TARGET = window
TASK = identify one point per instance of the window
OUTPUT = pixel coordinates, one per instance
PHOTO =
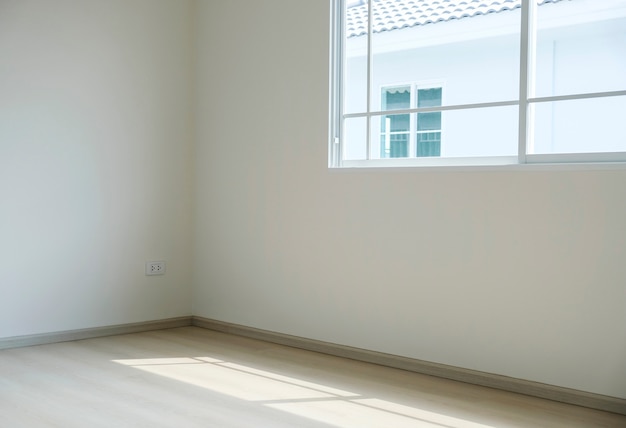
(525, 81)
(410, 135)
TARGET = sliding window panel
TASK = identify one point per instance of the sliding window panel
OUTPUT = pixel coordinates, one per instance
(581, 47)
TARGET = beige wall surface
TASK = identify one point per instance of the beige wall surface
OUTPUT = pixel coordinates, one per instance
(518, 272)
(95, 148)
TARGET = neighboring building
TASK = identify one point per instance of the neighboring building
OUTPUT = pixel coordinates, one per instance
(432, 53)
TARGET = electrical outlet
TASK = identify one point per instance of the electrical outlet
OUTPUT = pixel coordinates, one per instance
(155, 268)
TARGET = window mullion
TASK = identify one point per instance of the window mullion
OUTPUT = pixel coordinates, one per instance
(413, 123)
(370, 27)
(527, 78)
(337, 78)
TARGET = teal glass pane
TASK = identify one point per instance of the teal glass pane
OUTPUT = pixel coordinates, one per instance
(399, 146)
(429, 97)
(396, 123)
(429, 121)
(395, 135)
(395, 128)
(396, 98)
(429, 144)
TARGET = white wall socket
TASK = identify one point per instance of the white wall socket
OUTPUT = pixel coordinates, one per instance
(155, 268)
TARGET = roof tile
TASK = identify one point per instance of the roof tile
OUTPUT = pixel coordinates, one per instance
(391, 15)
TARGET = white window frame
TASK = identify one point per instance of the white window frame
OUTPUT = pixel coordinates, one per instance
(526, 102)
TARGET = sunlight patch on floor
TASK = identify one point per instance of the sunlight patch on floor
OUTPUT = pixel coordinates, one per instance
(314, 401)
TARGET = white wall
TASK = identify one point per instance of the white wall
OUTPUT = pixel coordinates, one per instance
(95, 148)
(515, 272)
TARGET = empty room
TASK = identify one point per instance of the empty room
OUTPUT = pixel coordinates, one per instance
(312, 213)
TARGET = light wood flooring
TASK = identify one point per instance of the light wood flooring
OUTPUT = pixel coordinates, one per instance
(192, 377)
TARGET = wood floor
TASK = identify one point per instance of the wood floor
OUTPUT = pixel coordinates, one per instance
(192, 377)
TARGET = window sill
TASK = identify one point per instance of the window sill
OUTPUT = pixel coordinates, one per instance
(561, 162)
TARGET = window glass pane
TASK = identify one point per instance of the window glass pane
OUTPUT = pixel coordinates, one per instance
(394, 141)
(355, 42)
(429, 144)
(355, 139)
(580, 126)
(396, 98)
(480, 132)
(395, 129)
(472, 50)
(396, 123)
(429, 97)
(398, 146)
(581, 47)
(428, 121)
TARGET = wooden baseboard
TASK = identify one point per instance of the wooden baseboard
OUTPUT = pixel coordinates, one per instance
(89, 333)
(520, 386)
